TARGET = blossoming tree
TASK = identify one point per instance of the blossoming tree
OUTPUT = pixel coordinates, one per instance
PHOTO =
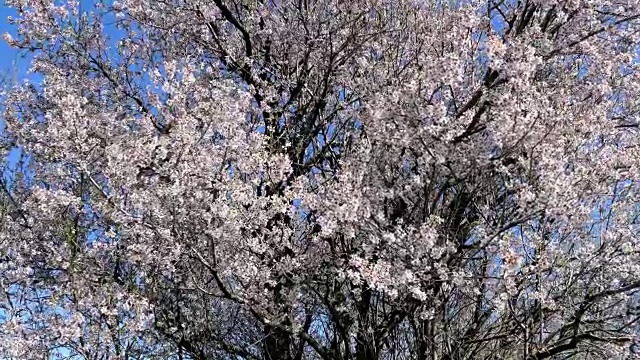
(322, 179)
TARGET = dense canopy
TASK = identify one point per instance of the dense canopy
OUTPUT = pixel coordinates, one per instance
(322, 179)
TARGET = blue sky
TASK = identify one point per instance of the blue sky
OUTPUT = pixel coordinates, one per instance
(7, 54)
(9, 57)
